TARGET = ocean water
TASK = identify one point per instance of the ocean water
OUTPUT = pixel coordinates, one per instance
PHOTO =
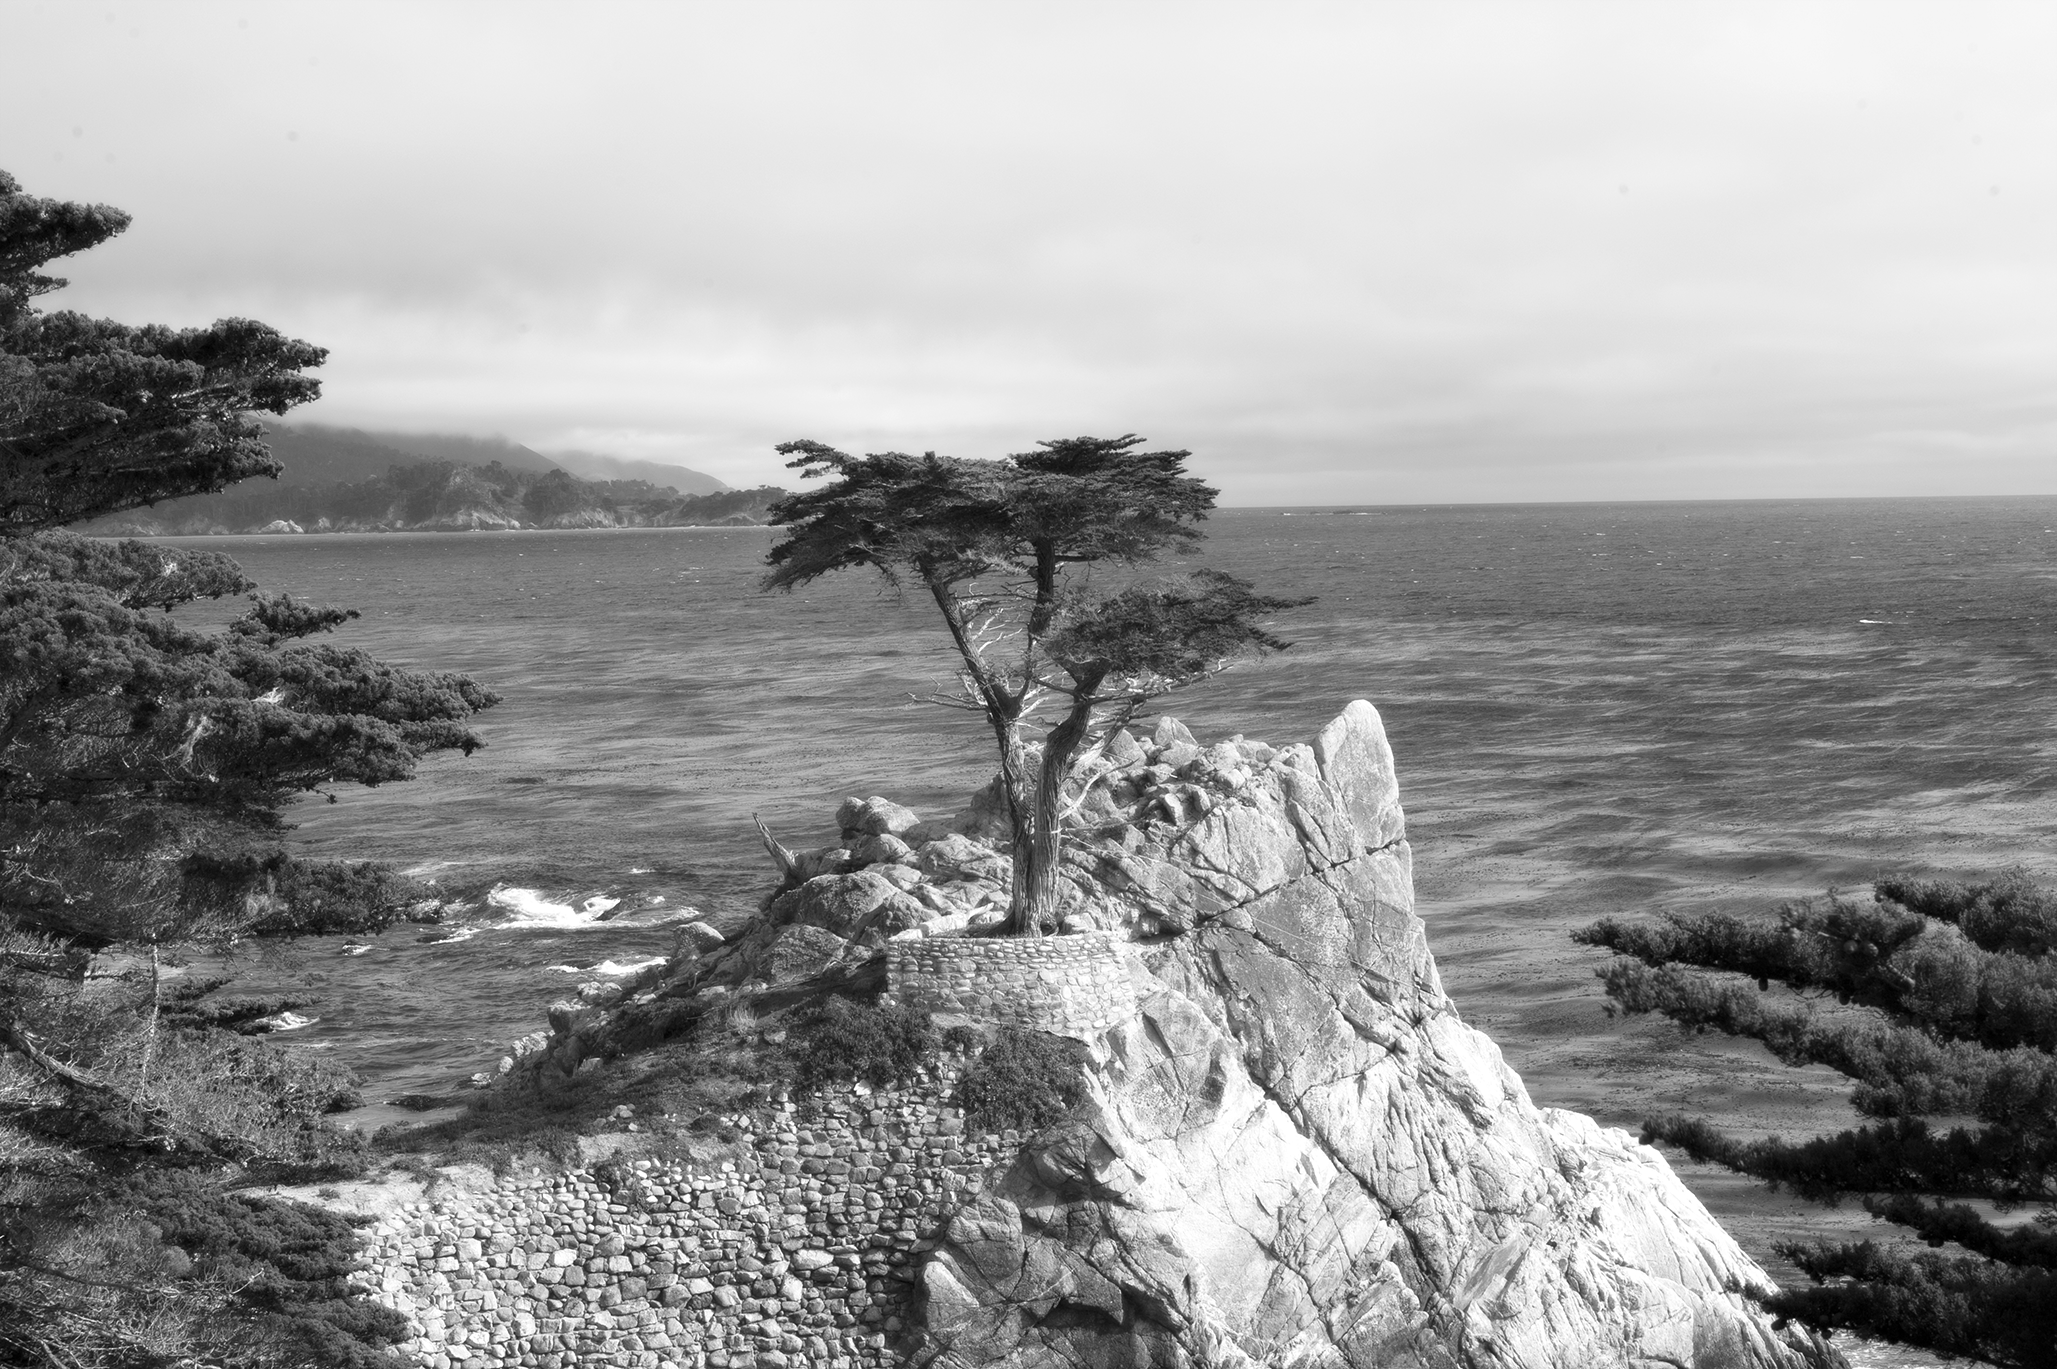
(1596, 709)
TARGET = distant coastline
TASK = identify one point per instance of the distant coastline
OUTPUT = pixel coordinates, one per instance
(441, 496)
(114, 530)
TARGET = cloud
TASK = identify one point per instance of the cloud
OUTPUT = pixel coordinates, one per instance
(1344, 253)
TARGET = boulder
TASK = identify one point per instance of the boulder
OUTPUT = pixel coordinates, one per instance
(799, 951)
(858, 903)
(826, 860)
(875, 816)
(1122, 750)
(987, 817)
(700, 936)
(958, 857)
(1170, 732)
(881, 848)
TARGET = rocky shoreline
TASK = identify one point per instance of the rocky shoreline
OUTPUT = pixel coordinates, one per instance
(1291, 1150)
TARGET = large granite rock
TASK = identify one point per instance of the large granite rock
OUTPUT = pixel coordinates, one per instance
(1297, 1154)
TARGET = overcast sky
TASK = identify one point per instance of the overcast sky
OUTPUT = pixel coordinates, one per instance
(1346, 253)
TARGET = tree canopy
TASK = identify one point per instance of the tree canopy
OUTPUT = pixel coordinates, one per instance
(98, 416)
(1000, 547)
(1945, 1008)
(146, 769)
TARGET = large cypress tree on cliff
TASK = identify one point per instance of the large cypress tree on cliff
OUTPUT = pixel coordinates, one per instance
(1946, 1008)
(144, 772)
(999, 546)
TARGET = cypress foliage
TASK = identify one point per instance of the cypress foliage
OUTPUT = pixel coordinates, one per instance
(1948, 1010)
(145, 771)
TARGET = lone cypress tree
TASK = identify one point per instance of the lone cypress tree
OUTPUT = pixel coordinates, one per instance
(145, 771)
(1947, 997)
(1000, 546)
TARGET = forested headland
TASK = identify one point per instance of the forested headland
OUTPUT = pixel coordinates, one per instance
(337, 480)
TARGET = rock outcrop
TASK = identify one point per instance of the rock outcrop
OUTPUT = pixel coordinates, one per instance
(1297, 1153)
(1292, 1153)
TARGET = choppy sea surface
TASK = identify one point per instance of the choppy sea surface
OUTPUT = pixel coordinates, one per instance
(1597, 709)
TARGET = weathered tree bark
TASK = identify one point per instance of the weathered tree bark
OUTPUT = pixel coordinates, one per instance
(1033, 904)
(781, 855)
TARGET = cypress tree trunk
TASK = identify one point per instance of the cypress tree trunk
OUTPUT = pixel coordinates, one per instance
(1036, 851)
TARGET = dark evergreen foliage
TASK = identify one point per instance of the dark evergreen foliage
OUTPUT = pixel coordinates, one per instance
(1001, 547)
(2006, 914)
(1951, 1304)
(839, 1041)
(1878, 955)
(136, 752)
(287, 1265)
(1024, 1081)
(1946, 1001)
(145, 772)
(97, 416)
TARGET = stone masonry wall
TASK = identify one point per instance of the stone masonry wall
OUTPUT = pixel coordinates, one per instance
(1077, 985)
(804, 1252)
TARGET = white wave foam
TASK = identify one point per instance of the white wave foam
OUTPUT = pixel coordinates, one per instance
(611, 968)
(530, 904)
(614, 968)
(455, 934)
(531, 909)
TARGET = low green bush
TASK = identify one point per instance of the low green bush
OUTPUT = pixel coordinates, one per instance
(306, 897)
(1025, 1081)
(287, 1263)
(839, 1041)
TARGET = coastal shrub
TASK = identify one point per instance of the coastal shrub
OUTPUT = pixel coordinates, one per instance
(839, 1041)
(288, 1265)
(291, 897)
(1025, 1081)
(146, 1268)
(1948, 1011)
